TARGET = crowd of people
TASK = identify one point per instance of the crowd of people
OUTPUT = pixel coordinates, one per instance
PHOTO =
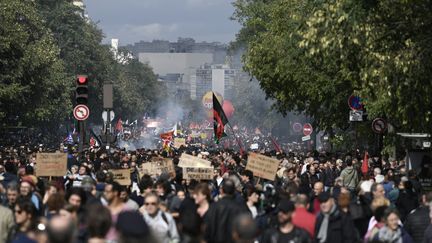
(314, 197)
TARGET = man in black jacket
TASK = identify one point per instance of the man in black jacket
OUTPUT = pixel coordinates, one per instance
(418, 220)
(333, 225)
(221, 215)
(286, 231)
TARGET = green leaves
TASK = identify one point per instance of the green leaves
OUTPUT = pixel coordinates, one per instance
(311, 56)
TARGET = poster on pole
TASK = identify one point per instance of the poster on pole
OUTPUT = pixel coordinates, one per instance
(51, 164)
(122, 176)
(262, 166)
(197, 173)
(157, 166)
(178, 142)
(187, 160)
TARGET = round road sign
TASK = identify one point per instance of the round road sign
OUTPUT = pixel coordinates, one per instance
(81, 112)
(379, 125)
(355, 103)
(307, 129)
(297, 127)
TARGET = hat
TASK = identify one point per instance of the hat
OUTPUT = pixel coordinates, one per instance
(324, 197)
(286, 206)
(379, 178)
(132, 224)
(29, 180)
(366, 186)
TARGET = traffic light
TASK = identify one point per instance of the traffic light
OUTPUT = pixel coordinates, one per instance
(81, 90)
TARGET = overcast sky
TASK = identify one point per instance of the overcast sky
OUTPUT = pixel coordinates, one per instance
(135, 20)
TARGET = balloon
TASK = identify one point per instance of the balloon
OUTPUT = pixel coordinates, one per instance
(207, 100)
(228, 108)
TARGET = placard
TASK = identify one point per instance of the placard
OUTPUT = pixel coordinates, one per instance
(122, 176)
(51, 164)
(157, 167)
(178, 142)
(187, 160)
(197, 173)
(262, 166)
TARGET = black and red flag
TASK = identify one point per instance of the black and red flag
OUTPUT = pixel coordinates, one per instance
(219, 119)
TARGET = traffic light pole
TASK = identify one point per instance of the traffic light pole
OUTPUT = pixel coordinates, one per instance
(82, 136)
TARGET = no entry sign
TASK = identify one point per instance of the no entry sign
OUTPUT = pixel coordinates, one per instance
(307, 129)
(379, 125)
(81, 112)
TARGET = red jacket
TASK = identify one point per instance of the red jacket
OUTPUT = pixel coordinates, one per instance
(303, 219)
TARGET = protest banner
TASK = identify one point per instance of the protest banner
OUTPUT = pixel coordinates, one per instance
(262, 166)
(178, 142)
(197, 173)
(187, 160)
(157, 166)
(51, 164)
(122, 176)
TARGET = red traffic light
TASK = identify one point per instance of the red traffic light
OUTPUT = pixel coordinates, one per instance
(82, 79)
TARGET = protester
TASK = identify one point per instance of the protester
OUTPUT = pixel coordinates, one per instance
(286, 231)
(162, 224)
(25, 219)
(392, 231)
(301, 217)
(332, 224)
(7, 224)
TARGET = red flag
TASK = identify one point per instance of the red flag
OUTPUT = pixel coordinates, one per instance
(119, 125)
(219, 119)
(365, 165)
(276, 145)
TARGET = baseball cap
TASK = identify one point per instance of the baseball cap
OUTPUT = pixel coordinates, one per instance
(286, 206)
(324, 197)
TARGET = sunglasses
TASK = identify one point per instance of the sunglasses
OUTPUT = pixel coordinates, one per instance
(18, 211)
(150, 203)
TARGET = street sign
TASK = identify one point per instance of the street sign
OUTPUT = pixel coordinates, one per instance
(356, 116)
(306, 138)
(307, 129)
(297, 127)
(81, 112)
(379, 125)
(355, 103)
(105, 116)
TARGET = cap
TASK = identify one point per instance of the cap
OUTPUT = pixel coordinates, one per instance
(324, 197)
(132, 224)
(29, 180)
(286, 206)
(379, 178)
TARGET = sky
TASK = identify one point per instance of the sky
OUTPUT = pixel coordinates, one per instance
(133, 20)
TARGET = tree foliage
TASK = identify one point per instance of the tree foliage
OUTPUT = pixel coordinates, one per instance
(311, 56)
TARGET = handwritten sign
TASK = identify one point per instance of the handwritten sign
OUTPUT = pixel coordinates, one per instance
(122, 176)
(262, 166)
(157, 167)
(197, 173)
(187, 160)
(178, 142)
(51, 164)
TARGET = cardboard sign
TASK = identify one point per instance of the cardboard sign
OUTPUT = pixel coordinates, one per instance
(197, 173)
(122, 176)
(178, 142)
(51, 164)
(187, 160)
(262, 166)
(157, 167)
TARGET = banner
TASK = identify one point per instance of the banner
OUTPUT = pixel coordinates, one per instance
(157, 167)
(262, 166)
(197, 173)
(122, 176)
(178, 142)
(187, 160)
(51, 164)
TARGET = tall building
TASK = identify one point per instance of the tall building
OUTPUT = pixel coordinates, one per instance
(218, 78)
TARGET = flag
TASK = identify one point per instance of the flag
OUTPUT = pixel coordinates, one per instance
(175, 129)
(365, 165)
(119, 125)
(219, 119)
(276, 145)
(167, 135)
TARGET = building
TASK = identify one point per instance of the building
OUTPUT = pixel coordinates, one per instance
(219, 78)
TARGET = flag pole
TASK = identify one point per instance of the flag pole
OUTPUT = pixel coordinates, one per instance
(236, 138)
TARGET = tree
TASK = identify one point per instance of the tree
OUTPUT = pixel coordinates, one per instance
(32, 76)
(312, 55)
